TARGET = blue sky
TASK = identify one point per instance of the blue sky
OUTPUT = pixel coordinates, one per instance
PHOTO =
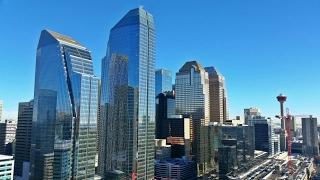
(262, 47)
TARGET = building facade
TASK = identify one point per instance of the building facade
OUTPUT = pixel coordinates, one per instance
(6, 167)
(7, 136)
(128, 97)
(163, 79)
(178, 168)
(23, 136)
(264, 134)
(250, 113)
(310, 146)
(165, 107)
(64, 127)
(192, 99)
(218, 96)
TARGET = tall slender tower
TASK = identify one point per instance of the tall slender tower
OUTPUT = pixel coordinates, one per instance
(218, 96)
(64, 128)
(192, 98)
(128, 98)
(282, 99)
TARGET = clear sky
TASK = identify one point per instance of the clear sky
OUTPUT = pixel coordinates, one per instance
(262, 47)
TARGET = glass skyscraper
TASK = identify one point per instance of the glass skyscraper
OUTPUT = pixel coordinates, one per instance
(63, 142)
(163, 81)
(128, 98)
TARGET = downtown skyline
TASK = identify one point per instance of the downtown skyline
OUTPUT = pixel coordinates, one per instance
(256, 68)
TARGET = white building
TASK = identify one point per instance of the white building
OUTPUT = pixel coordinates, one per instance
(6, 167)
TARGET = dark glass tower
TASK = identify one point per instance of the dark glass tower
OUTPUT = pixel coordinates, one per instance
(23, 136)
(63, 143)
(128, 98)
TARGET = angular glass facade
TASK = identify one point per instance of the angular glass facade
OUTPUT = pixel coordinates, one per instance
(163, 81)
(128, 98)
(64, 128)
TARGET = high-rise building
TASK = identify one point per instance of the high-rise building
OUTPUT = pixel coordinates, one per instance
(23, 136)
(6, 167)
(227, 160)
(163, 81)
(128, 97)
(244, 135)
(64, 128)
(165, 107)
(1, 110)
(192, 98)
(218, 96)
(310, 145)
(7, 136)
(251, 112)
(264, 134)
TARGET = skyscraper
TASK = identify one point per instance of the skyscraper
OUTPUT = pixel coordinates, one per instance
(163, 81)
(64, 128)
(192, 98)
(23, 136)
(218, 96)
(310, 145)
(128, 98)
(264, 134)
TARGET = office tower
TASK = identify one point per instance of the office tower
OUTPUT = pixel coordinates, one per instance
(251, 112)
(245, 141)
(7, 136)
(165, 107)
(192, 98)
(264, 134)
(218, 96)
(178, 168)
(310, 137)
(64, 129)
(128, 97)
(227, 160)
(163, 81)
(23, 136)
(1, 109)
(6, 167)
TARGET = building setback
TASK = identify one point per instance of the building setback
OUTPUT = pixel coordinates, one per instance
(128, 98)
(23, 136)
(64, 129)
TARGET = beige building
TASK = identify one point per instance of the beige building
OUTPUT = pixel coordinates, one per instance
(218, 96)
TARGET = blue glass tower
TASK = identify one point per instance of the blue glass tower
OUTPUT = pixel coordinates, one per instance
(128, 98)
(63, 143)
(163, 81)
